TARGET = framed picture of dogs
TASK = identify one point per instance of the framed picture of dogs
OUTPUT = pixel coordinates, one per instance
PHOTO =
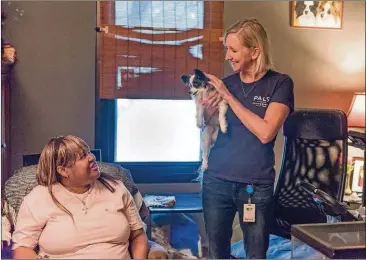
(317, 14)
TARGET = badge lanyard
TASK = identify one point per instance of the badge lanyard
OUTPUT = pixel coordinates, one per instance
(250, 190)
(249, 209)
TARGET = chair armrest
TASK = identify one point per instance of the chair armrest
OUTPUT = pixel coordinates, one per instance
(156, 251)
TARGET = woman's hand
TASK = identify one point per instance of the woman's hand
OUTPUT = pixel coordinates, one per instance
(211, 103)
(219, 86)
(24, 253)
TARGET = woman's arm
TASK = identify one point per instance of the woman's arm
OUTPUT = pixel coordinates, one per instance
(138, 240)
(264, 128)
(139, 246)
(24, 253)
(28, 228)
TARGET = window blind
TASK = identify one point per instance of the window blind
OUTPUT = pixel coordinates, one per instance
(145, 46)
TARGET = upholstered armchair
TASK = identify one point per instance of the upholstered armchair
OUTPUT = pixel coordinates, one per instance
(24, 180)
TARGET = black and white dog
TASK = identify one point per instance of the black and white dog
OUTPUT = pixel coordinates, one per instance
(200, 89)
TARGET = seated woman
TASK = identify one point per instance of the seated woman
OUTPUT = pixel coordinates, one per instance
(75, 211)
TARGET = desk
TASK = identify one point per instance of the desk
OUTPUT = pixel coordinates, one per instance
(184, 203)
(330, 240)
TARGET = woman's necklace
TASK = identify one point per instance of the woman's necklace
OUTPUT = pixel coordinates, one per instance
(250, 90)
(83, 201)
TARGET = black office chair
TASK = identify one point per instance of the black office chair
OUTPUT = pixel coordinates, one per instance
(315, 152)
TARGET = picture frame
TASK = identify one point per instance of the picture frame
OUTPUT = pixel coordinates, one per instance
(317, 14)
(358, 174)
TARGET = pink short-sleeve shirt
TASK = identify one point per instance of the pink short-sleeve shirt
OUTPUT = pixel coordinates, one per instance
(102, 232)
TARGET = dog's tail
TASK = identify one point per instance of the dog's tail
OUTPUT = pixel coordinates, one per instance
(199, 177)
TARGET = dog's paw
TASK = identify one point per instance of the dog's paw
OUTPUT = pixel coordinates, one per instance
(224, 129)
(204, 166)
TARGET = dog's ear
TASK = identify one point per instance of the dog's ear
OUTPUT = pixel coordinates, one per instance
(185, 79)
(314, 6)
(200, 75)
(299, 8)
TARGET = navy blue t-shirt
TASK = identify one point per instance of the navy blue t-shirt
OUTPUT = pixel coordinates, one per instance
(239, 155)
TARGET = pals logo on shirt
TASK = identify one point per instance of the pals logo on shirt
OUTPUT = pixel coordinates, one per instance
(261, 101)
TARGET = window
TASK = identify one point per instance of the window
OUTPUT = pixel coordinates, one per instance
(150, 130)
(160, 14)
(145, 118)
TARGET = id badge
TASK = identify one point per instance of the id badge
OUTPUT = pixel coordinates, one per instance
(249, 213)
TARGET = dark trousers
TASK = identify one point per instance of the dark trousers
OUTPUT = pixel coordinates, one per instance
(221, 200)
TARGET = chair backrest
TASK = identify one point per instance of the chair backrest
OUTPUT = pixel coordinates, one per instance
(315, 151)
(32, 159)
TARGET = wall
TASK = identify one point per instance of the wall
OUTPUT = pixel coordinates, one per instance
(54, 88)
(327, 66)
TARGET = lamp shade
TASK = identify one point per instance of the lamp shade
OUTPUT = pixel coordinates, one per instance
(356, 113)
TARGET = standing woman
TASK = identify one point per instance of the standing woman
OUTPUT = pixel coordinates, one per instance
(241, 164)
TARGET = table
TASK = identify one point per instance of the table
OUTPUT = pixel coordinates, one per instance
(330, 240)
(184, 203)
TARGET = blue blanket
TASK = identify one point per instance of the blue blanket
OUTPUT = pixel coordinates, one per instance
(279, 248)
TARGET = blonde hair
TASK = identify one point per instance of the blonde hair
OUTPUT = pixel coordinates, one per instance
(252, 34)
(64, 151)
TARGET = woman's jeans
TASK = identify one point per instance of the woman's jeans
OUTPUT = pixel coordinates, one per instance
(221, 200)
